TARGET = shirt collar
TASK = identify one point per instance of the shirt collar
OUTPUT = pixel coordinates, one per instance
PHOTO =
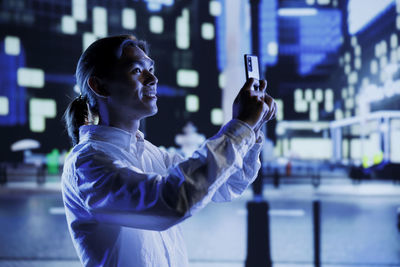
(113, 135)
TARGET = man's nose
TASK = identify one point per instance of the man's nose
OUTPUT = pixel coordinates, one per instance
(151, 78)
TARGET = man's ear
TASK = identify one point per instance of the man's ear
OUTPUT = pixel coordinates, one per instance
(98, 86)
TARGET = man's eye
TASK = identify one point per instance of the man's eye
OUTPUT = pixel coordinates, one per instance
(151, 70)
(136, 70)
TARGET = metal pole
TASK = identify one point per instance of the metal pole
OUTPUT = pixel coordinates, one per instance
(317, 233)
(254, 7)
(258, 236)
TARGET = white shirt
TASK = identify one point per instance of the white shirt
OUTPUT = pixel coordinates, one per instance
(124, 197)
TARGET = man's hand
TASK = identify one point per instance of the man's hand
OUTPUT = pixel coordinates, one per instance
(254, 107)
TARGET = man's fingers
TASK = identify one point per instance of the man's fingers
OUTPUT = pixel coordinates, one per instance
(268, 100)
(272, 112)
(263, 85)
(250, 83)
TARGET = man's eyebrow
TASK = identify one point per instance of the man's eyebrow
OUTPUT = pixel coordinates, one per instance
(140, 62)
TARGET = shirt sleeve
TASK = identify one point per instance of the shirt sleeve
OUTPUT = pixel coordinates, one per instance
(239, 181)
(126, 196)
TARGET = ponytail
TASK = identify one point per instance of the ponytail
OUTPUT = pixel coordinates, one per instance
(75, 116)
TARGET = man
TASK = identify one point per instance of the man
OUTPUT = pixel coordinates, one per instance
(123, 196)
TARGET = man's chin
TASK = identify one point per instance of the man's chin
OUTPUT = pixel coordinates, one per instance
(152, 112)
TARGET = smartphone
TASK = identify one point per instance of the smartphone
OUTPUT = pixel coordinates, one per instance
(252, 68)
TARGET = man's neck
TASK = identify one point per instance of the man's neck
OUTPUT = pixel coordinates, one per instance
(118, 120)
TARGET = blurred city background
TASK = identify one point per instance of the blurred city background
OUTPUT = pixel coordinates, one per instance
(331, 65)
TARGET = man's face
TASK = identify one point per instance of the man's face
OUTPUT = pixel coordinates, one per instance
(133, 85)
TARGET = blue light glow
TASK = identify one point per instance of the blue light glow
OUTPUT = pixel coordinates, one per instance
(319, 36)
(268, 31)
(9, 88)
(156, 5)
(220, 37)
(295, 12)
(361, 13)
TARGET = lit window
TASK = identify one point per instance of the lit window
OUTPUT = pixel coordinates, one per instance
(273, 49)
(357, 50)
(394, 41)
(4, 106)
(279, 111)
(156, 24)
(347, 69)
(217, 116)
(398, 52)
(68, 25)
(156, 5)
(393, 56)
(329, 100)
(357, 63)
(187, 78)
(347, 57)
(377, 50)
(338, 114)
(384, 47)
(79, 10)
(128, 18)
(353, 41)
(310, 2)
(314, 111)
(207, 31)
(29, 77)
(353, 77)
(351, 90)
(215, 8)
(374, 67)
(192, 103)
(12, 45)
(383, 62)
(300, 106)
(100, 21)
(222, 80)
(297, 12)
(39, 111)
(344, 93)
(323, 2)
(398, 22)
(308, 95)
(183, 30)
(298, 94)
(87, 39)
(319, 95)
(349, 103)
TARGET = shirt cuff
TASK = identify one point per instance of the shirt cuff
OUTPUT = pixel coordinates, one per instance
(240, 132)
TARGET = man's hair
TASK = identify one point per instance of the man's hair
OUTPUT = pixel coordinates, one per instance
(97, 60)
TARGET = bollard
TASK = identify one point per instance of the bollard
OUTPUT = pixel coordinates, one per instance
(317, 233)
(258, 238)
(398, 219)
(3, 174)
